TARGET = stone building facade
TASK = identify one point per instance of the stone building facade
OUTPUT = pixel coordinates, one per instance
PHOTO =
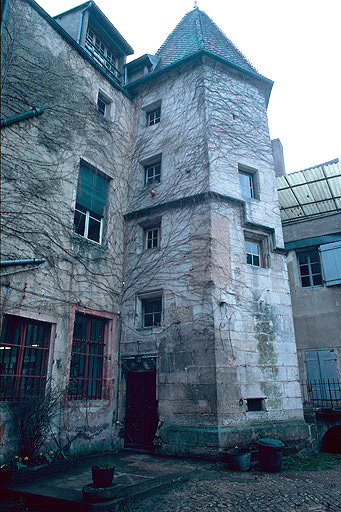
(310, 210)
(143, 259)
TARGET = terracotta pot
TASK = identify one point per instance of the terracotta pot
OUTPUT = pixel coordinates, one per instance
(102, 476)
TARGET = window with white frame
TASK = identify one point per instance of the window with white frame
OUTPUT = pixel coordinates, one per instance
(248, 183)
(253, 253)
(154, 116)
(310, 267)
(152, 237)
(90, 203)
(151, 311)
(152, 173)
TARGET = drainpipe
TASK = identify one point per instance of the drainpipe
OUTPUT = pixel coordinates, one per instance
(8, 263)
(35, 112)
(81, 23)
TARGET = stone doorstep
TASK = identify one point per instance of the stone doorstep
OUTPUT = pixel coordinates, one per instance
(135, 492)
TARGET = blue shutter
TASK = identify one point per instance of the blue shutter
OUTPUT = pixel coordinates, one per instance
(321, 368)
(331, 260)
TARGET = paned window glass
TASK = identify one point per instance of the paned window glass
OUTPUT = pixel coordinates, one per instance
(87, 357)
(153, 173)
(252, 250)
(152, 311)
(24, 350)
(152, 238)
(90, 204)
(247, 185)
(310, 268)
(154, 117)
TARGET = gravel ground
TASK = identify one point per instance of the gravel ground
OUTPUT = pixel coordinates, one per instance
(217, 490)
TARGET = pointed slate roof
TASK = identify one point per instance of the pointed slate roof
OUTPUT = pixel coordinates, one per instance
(197, 32)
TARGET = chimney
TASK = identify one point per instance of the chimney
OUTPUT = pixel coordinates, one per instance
(277, 152)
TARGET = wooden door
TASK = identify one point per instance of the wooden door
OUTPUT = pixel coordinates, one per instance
(141, 410)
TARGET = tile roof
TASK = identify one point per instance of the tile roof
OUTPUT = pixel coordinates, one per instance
(197, 32)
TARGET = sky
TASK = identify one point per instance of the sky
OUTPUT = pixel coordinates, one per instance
(295, 43)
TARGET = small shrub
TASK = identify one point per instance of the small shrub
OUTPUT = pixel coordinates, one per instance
(31, 416)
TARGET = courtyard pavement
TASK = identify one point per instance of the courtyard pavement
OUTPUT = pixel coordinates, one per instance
(158, 484)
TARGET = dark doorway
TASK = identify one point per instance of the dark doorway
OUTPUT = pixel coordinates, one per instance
(331, 442)
(141, 410)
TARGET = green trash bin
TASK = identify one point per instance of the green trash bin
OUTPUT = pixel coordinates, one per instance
(270, 454)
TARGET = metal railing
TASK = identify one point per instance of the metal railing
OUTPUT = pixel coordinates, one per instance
(323, 393)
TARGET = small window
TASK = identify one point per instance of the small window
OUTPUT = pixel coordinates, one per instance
(255, 404)
(24, 350)
(154, 116)
(151, 312)
(103, 105)
(90, 203)
(87, 357)
(247, 184)
(310, 268)
(152, 237)
(253, 253)
(153, 173)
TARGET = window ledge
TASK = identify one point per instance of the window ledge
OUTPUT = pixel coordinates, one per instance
(88, 242)
(155, 330)
(84, 402)
(150, 186)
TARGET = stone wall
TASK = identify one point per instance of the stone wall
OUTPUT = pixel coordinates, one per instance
(39, 183)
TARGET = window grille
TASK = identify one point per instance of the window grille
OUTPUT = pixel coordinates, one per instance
(87, 357)
(24, 350)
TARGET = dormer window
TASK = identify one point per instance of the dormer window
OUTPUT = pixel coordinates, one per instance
(101, 52)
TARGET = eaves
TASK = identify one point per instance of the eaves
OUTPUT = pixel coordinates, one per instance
(76, 46)
(266, 81)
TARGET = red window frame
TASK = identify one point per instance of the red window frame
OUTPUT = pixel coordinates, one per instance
(87, 357)
(24, 351)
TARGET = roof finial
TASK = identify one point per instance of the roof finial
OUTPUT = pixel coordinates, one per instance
(195, 5)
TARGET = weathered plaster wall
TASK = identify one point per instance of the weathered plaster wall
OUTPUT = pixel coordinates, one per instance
(317, 316)
(40, 171)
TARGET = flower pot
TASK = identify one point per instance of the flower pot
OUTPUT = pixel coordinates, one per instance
(5, 476)
(102, 476)
(239, 458)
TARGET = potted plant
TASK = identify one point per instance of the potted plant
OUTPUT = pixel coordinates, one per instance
(102, 476)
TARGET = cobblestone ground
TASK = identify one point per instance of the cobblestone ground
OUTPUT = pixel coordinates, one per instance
(217, 490)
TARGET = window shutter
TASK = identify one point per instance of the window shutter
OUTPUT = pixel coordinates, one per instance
(313, 367)
(92, 190)
(331, 259)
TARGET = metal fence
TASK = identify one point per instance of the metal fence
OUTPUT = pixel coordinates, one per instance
(323, 393)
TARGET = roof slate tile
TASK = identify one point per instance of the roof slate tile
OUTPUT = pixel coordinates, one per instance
(197, 32)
